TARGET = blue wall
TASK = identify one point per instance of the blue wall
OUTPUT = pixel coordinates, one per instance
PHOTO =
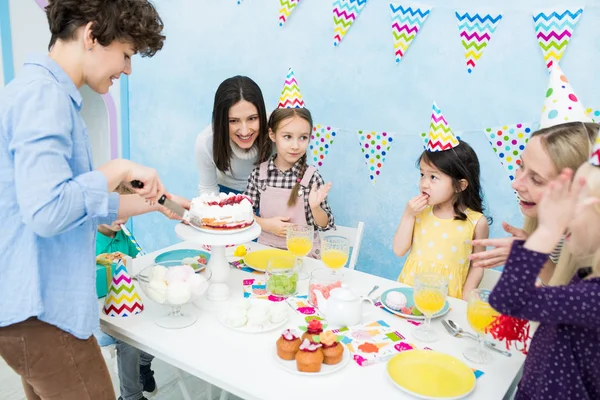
(355, 86)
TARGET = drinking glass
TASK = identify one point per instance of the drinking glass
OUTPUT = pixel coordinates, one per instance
(480, 315)
(429, 292)
(299, 243)
(334, 251)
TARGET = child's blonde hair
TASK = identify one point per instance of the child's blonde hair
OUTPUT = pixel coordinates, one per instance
(568, 264)
(568, 145)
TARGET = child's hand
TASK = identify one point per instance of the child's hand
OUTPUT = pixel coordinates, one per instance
(317, 196)
(278, 225)
(416, 205)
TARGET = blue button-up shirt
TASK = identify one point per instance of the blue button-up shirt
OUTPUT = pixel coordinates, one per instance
(51, 202)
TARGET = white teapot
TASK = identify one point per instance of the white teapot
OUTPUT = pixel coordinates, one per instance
(343, 307)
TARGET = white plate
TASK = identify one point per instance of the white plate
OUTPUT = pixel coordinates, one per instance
(291, 367)
(251, 328)
(223, 231)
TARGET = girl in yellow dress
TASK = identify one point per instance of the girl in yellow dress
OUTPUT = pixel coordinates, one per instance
(438, 224)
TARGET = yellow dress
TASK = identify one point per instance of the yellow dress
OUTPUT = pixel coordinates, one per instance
(439, 246)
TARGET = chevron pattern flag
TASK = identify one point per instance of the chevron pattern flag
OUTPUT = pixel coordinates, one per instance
(475, 32)
(508, 142)
(595, 158)
(440, 135)
(407, 21)
(122, 299)
(554, 29)
(321, 141)
(290, 94)
(345, 12)
(375, 146)
(287, 6)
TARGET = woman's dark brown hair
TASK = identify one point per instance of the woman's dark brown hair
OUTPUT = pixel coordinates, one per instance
(230, 92)
(131, 21)
(277, 117)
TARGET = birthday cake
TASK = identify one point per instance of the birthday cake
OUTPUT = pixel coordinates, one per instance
(223, 211)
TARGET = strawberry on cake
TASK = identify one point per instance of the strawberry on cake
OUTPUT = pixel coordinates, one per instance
(223, 211)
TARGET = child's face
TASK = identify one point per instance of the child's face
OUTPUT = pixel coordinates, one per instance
(435, 184)
(583, 232)
(291, 139)
(536, 170)
(244, 124)
(104, 64)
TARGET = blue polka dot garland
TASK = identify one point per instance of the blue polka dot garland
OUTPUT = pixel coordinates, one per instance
(321, 141)
(508, 142)
(375, 146)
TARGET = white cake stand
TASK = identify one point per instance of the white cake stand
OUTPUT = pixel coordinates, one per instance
(218, 264)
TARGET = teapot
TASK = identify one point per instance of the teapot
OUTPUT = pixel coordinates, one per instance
(343, 307)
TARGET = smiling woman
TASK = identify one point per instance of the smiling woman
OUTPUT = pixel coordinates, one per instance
(237, 140)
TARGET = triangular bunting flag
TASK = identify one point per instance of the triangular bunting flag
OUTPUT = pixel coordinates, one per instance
(561, 104)
(441, 136)
(287, 6)
(407, 21)
(595, 157)
(122, 300)
(375, 146)
(320, 143)
(554, 29)
(239, 2)
(475, 32)
(290, 94)
(345, 12)
(508, 143)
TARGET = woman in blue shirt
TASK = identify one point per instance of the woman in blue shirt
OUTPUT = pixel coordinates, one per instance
(53, 200)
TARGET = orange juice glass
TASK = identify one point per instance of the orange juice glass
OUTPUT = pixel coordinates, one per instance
(480, 315)
(299, 240)
(335, 251)
(429, 294)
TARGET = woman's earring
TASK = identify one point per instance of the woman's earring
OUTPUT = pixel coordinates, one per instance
(90, 49)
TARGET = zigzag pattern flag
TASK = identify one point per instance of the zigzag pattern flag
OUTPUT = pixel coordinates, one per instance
(407, 21)
(345, 12)
(475, 32)
(122, 299)
(508, 142)
(287, 6)
(375, 146)
(441, 136)
(320, 143)
(553, 30)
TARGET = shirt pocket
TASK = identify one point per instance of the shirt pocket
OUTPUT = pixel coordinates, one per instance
(13, 350)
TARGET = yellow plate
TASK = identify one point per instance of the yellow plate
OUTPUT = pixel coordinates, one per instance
(428, 374)
(258, 260)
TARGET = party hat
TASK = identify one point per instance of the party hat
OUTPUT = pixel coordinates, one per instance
(595, 158)
(122, 299)
(290, 95)
(440, 135)
(561, 104)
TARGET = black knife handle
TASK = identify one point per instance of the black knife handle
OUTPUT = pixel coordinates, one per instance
(162, 199)
(137, 184)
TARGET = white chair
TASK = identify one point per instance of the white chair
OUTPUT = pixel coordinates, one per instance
(490, 278)
(354, 236)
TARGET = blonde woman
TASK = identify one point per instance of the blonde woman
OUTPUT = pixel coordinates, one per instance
(563, 358)
(548, 152)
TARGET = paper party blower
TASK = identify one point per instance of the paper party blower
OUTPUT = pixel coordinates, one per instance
(440, 135)
(122, 299)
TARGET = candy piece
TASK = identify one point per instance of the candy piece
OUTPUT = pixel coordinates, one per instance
(406, 310)
(157, 290)
(396, 300)
(198, 284)
(416, 312)
(158, 273)
(282, 285)
(180, 273)
(179, 293)
(240, 251)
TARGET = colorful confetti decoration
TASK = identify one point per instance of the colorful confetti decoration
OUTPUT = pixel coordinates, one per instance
(561, 104)
(475, 32)
(287, 6)
(407, 21)
(508, 142)
(290, 94)
(375, 146)
(320, 142)
(554, 29)
(441, 136)
(345, 12)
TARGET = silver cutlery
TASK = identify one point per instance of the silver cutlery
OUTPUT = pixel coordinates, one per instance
(457, 332)
(372, 291)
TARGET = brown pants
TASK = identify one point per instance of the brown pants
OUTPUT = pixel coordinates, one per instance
(53, 364)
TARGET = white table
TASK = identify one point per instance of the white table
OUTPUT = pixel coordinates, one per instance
(243, 364)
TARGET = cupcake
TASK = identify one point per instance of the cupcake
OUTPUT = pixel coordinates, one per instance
(332, 350)
(396, 301)
(288, 345)
(314, 328)
(309, 357)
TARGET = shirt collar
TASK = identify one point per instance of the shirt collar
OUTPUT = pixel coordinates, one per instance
(272, 167)
(58, 74)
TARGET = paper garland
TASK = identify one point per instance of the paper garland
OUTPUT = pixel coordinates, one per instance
(508, 142)
(320, 143)
(375, 146)
(407, 21)
(475, 32)
(345, 12)
(554, 29)
(287, 6)
(122, 300)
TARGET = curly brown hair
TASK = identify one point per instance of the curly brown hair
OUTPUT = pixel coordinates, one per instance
(132, 21)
